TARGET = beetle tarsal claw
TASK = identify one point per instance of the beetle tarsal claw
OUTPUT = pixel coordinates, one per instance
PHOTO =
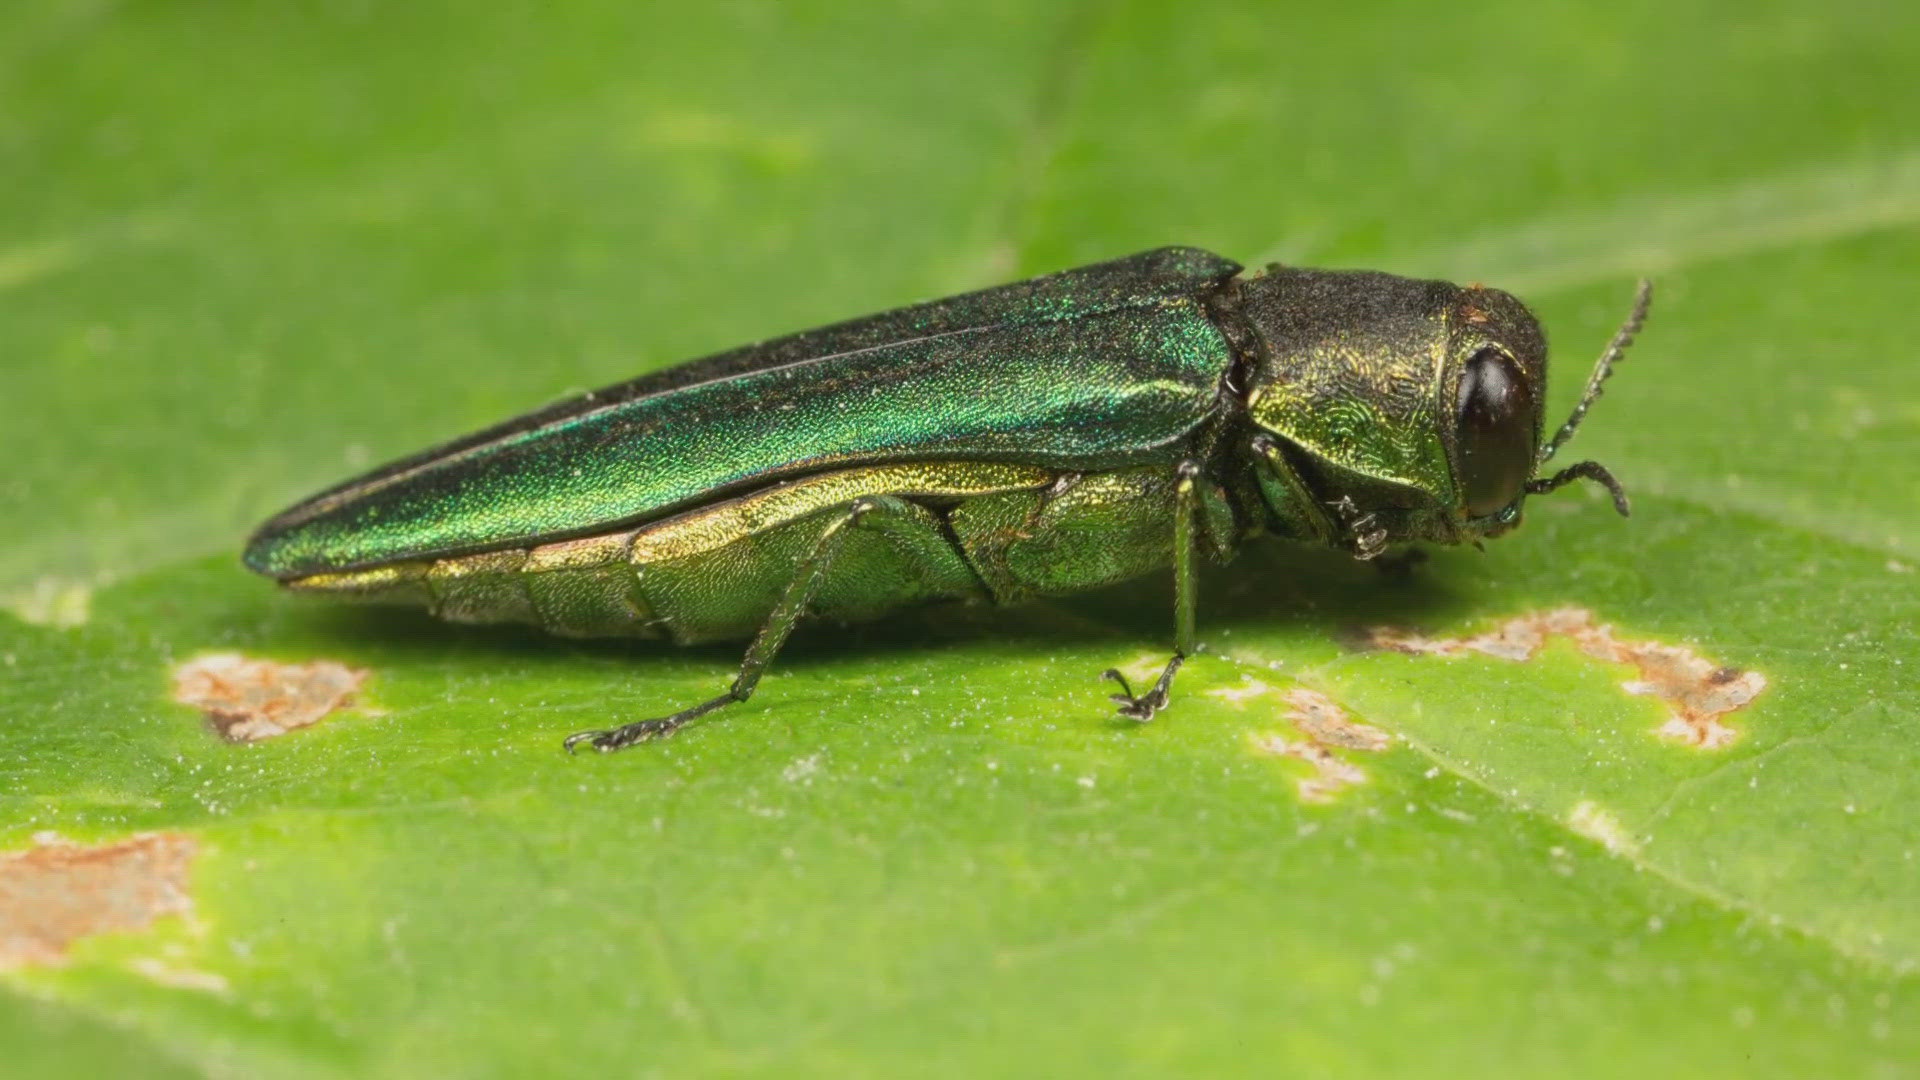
(1141, 707)
(1365, 538)
(610, 739)
(626, 735)
(1132, 706)
(573, 741)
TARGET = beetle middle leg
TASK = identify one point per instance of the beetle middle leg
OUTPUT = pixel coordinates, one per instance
(808, 575)
(1185, 591)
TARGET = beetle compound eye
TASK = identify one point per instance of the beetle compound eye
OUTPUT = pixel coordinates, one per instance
(1494, 411)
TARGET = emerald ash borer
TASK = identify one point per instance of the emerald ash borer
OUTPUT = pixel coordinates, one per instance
(1038, 438)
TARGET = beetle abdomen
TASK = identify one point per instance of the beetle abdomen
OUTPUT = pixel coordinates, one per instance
(712, 573)
(576, 588)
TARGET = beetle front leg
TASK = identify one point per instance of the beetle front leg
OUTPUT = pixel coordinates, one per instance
(808, 575)
(1141, 707)
(1365, 538)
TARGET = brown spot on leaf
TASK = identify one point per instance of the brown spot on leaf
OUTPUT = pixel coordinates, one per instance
(1324, 727)
(1328, 724)
(55, 893)
(248, 700)
(1697, 691)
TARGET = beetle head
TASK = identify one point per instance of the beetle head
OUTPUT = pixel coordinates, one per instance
(1407, 410)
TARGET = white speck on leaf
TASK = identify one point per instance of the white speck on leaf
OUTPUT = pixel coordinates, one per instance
(53, 602)
(1598, 824)
(1248, 689)
(180, 978)
(802, 770)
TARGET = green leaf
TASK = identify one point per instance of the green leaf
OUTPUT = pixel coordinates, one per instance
(253, 248)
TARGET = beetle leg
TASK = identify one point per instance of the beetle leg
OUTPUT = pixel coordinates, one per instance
(1185, 593)
(808, 575)
(1303, 508)
(1142, 707)
(1365, 538)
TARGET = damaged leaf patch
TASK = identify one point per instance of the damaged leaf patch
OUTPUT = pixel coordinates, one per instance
(56, 893)
(248, 700)
(1697, 691)
(1324, 727)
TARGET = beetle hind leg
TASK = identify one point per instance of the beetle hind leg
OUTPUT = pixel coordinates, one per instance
(809, 574)
(1186, 559)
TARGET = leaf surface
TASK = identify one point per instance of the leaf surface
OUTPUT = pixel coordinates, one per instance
(256, 249)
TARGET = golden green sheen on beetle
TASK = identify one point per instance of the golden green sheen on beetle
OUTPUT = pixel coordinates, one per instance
(1043, 437)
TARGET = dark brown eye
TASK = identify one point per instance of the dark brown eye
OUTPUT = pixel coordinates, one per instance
(1495, 414)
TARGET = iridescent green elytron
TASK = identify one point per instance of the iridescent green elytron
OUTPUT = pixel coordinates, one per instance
(1044, 437)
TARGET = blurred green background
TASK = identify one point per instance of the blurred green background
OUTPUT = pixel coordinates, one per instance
(247, 248)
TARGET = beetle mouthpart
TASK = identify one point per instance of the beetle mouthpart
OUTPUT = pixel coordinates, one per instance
(1589, 470)
(1617, 348)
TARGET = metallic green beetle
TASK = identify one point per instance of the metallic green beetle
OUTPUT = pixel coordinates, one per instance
(1044, 437)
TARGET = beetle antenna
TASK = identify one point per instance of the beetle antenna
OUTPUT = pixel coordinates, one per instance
(1617, 348)
(1590, 470)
